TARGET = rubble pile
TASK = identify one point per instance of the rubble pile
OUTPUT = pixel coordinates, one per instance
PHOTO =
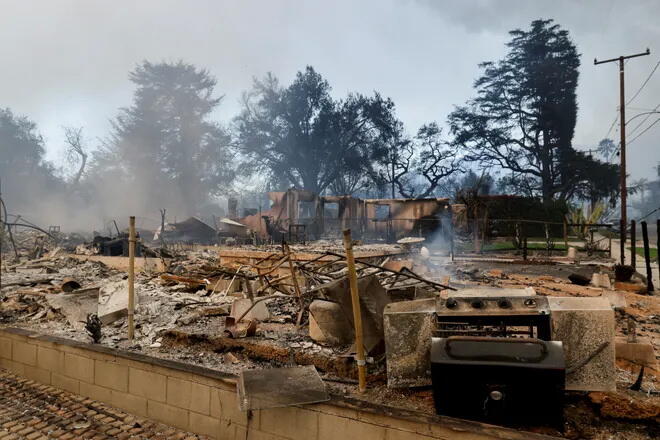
(248, 307)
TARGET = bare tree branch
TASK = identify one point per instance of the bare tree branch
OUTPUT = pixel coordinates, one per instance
(76, 152)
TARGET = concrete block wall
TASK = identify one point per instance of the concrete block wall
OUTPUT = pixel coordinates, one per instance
(204, 401)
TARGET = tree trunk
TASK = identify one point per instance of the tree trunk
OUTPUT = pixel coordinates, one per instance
(83, 162)
(546, 175)
(393, 193)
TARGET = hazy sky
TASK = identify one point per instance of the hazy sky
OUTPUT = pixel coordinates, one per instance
(66, 62)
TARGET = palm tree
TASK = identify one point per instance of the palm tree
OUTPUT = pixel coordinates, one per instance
(606, 148)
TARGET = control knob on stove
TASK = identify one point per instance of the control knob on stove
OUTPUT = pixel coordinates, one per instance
(531, 303)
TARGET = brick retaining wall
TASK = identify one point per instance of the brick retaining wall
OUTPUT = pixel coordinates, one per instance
(204, 401)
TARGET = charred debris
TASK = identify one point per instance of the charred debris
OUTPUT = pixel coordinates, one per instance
(523, 323)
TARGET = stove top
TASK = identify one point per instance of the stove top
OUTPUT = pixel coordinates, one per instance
(493, 306)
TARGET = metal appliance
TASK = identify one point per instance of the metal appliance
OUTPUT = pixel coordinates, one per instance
(492, 360)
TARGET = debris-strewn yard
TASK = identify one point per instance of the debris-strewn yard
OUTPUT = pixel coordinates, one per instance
(239, 308)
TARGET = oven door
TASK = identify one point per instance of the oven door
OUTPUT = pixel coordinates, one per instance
(512, 381)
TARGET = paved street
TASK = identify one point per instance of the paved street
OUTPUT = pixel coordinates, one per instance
(32, 411)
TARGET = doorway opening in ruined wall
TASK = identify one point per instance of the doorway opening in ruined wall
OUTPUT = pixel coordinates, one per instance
(332, 224)
(383, 222)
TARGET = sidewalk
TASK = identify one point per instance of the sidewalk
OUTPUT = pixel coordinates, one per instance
(32, 411)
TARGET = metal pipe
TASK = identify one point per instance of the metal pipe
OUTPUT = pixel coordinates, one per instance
(647, 257)
(633, 244)
(131, 277)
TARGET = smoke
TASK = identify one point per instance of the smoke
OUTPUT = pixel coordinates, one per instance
(440, 242)
(97, 200)
(435, 253)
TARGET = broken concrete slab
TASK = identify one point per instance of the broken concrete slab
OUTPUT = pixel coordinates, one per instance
(280, 387)
(144, 264)
(586, 327)
(328, 325)
(601, 280)
(408, 330)
(640, 352)
(113, 301)
(259, 311)
(617, 299)
(75, 306)
(373, 299)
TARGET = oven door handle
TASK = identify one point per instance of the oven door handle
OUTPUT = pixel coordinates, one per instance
(450, 339)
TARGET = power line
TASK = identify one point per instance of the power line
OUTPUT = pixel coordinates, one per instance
(656, 209)
(644, 84)
(644, 131)
(641, 109)
(611, 127)
(644, 120)
(632, 99)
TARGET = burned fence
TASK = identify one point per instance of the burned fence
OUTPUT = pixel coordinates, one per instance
(524, 236)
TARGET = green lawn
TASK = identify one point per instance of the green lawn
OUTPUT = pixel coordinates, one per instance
(652, 251)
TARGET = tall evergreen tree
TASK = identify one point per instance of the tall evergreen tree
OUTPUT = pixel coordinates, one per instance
(166, 140)
(523, 118)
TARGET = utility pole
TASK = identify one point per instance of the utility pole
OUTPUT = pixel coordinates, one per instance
(622, 117)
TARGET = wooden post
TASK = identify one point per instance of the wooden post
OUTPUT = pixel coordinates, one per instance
(633, 244)
(296, 287)
(565, 234)
(357, 315)
(647, 257)
(131, 277)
